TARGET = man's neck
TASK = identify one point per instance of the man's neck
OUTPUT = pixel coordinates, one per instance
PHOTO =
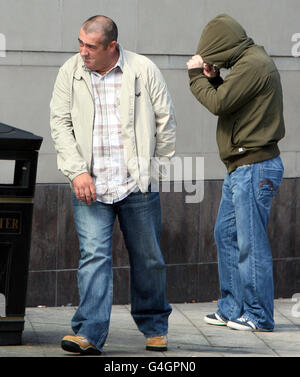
(114, 60)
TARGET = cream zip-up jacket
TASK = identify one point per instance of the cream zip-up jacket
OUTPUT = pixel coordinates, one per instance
(146, 110)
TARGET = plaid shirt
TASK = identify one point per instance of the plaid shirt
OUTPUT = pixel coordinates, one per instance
(112, 180)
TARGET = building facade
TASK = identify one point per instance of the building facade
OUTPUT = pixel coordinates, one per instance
(38, 36)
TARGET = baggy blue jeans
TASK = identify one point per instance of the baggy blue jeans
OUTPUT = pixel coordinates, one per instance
(244, 253)
(140, 221)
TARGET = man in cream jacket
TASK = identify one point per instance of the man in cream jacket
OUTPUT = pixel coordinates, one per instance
(111, 115)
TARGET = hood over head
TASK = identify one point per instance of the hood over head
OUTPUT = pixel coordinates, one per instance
(222, 41)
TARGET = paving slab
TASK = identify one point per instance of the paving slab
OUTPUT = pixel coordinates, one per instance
(189, 336)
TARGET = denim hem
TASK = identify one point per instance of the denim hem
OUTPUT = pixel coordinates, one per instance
(223, 317)
(93, 343)
(255, 323)
(153, 336)
(99, 345)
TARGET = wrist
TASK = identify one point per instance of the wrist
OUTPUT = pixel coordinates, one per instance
(193, 72)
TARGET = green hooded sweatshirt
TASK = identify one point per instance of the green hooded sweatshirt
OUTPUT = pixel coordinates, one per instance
(248, 101)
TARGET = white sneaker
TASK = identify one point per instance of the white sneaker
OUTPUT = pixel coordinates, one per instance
(215, 319)
(242, 324)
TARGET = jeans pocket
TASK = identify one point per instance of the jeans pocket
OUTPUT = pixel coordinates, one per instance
(269, 182)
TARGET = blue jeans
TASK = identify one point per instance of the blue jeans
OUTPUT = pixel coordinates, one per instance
(140, 221)
(244, 253)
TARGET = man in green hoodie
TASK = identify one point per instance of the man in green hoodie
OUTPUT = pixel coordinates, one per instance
(249, 105)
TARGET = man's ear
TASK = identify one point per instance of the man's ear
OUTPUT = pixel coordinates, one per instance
(112, 45)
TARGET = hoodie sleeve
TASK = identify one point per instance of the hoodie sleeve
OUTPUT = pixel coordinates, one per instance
(214, 81)
(225, 97)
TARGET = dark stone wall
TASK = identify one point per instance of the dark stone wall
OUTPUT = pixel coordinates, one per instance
(187, 243)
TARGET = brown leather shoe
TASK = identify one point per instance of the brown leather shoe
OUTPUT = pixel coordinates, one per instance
(78, 344)
(157, 343)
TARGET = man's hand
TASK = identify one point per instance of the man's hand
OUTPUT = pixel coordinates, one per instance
(197, 62)
(84, 188)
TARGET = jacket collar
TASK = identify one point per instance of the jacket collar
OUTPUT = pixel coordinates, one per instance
(82, 71)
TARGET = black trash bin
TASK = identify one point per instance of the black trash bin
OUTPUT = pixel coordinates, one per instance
(16, 207)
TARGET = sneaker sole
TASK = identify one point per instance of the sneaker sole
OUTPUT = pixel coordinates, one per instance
(68, 345)
(156, 348)
(237, 326)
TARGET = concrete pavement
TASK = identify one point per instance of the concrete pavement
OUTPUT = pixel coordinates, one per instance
(189, 335)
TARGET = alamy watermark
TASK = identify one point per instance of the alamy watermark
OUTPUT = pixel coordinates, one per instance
(2, 46)
(296, 46)
(178, 174)
(186, 173)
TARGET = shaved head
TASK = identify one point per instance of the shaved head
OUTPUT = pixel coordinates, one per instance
(102, 24)
(98, 44)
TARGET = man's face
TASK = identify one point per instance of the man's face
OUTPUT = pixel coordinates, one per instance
(95, 56)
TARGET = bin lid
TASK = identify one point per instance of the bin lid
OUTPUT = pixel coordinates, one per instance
(14, 139)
